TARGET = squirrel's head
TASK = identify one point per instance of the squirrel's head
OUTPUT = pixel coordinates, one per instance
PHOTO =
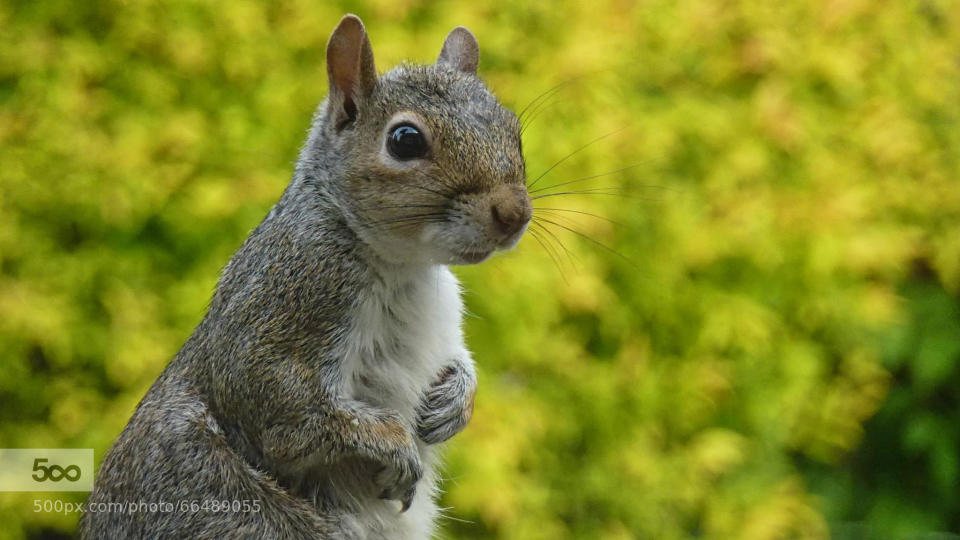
(428, 165)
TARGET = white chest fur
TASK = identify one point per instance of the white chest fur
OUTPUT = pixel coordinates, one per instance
(404, 331)
(402, 334)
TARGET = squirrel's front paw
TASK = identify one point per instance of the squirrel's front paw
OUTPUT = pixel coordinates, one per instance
(448, 404)
(398, 478)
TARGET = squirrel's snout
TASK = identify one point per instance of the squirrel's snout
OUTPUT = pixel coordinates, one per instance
(510, 210)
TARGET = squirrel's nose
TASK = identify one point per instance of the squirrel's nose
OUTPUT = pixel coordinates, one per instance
(511, 212)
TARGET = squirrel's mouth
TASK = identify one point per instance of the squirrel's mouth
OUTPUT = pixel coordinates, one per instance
(478, 256)
(511, 241)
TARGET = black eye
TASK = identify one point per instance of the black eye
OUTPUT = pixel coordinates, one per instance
(406, 142)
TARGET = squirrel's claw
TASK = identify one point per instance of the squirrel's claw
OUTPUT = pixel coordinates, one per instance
(398, 480)
(405, 500)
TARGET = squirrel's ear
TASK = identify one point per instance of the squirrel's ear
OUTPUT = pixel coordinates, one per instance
(350, 68)
(460, 50)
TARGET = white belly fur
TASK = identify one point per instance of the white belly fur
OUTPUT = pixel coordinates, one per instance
(403, 333)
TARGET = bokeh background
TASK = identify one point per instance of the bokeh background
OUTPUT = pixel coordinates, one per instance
(761, 343)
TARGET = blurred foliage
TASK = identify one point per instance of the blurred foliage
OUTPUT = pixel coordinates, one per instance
(775, 358)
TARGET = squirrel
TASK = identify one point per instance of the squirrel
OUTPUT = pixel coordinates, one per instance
(310, 400)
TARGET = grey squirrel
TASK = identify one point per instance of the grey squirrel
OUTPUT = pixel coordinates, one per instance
(311, 397)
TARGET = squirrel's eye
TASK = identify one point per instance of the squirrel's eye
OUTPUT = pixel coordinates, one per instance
(406, 142)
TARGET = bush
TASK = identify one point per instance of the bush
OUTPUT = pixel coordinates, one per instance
(785, 259)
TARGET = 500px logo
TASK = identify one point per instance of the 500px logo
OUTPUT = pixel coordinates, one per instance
(55, 473)
(46, 469)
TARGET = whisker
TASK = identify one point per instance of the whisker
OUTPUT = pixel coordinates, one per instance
(598, 216)
(603, 190)
(601, 244)
(408, 219)
(401, 219)
(592, 176)
(571, 154)
(399, 206)
(459, 520)
(543, 96)
(419, 214)
(404, 224)
(418, 218)
(571, 257)
(552, 90)
(535, 234)
(445, 180)
(611, 191)
(536, 112)
(431, 190)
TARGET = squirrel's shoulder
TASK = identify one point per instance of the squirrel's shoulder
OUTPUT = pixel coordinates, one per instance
(293, 274)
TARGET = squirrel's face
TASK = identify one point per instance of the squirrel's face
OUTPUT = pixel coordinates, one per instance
(432, 164)
(437, 172)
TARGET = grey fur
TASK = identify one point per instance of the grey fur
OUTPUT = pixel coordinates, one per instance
(253, 407)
